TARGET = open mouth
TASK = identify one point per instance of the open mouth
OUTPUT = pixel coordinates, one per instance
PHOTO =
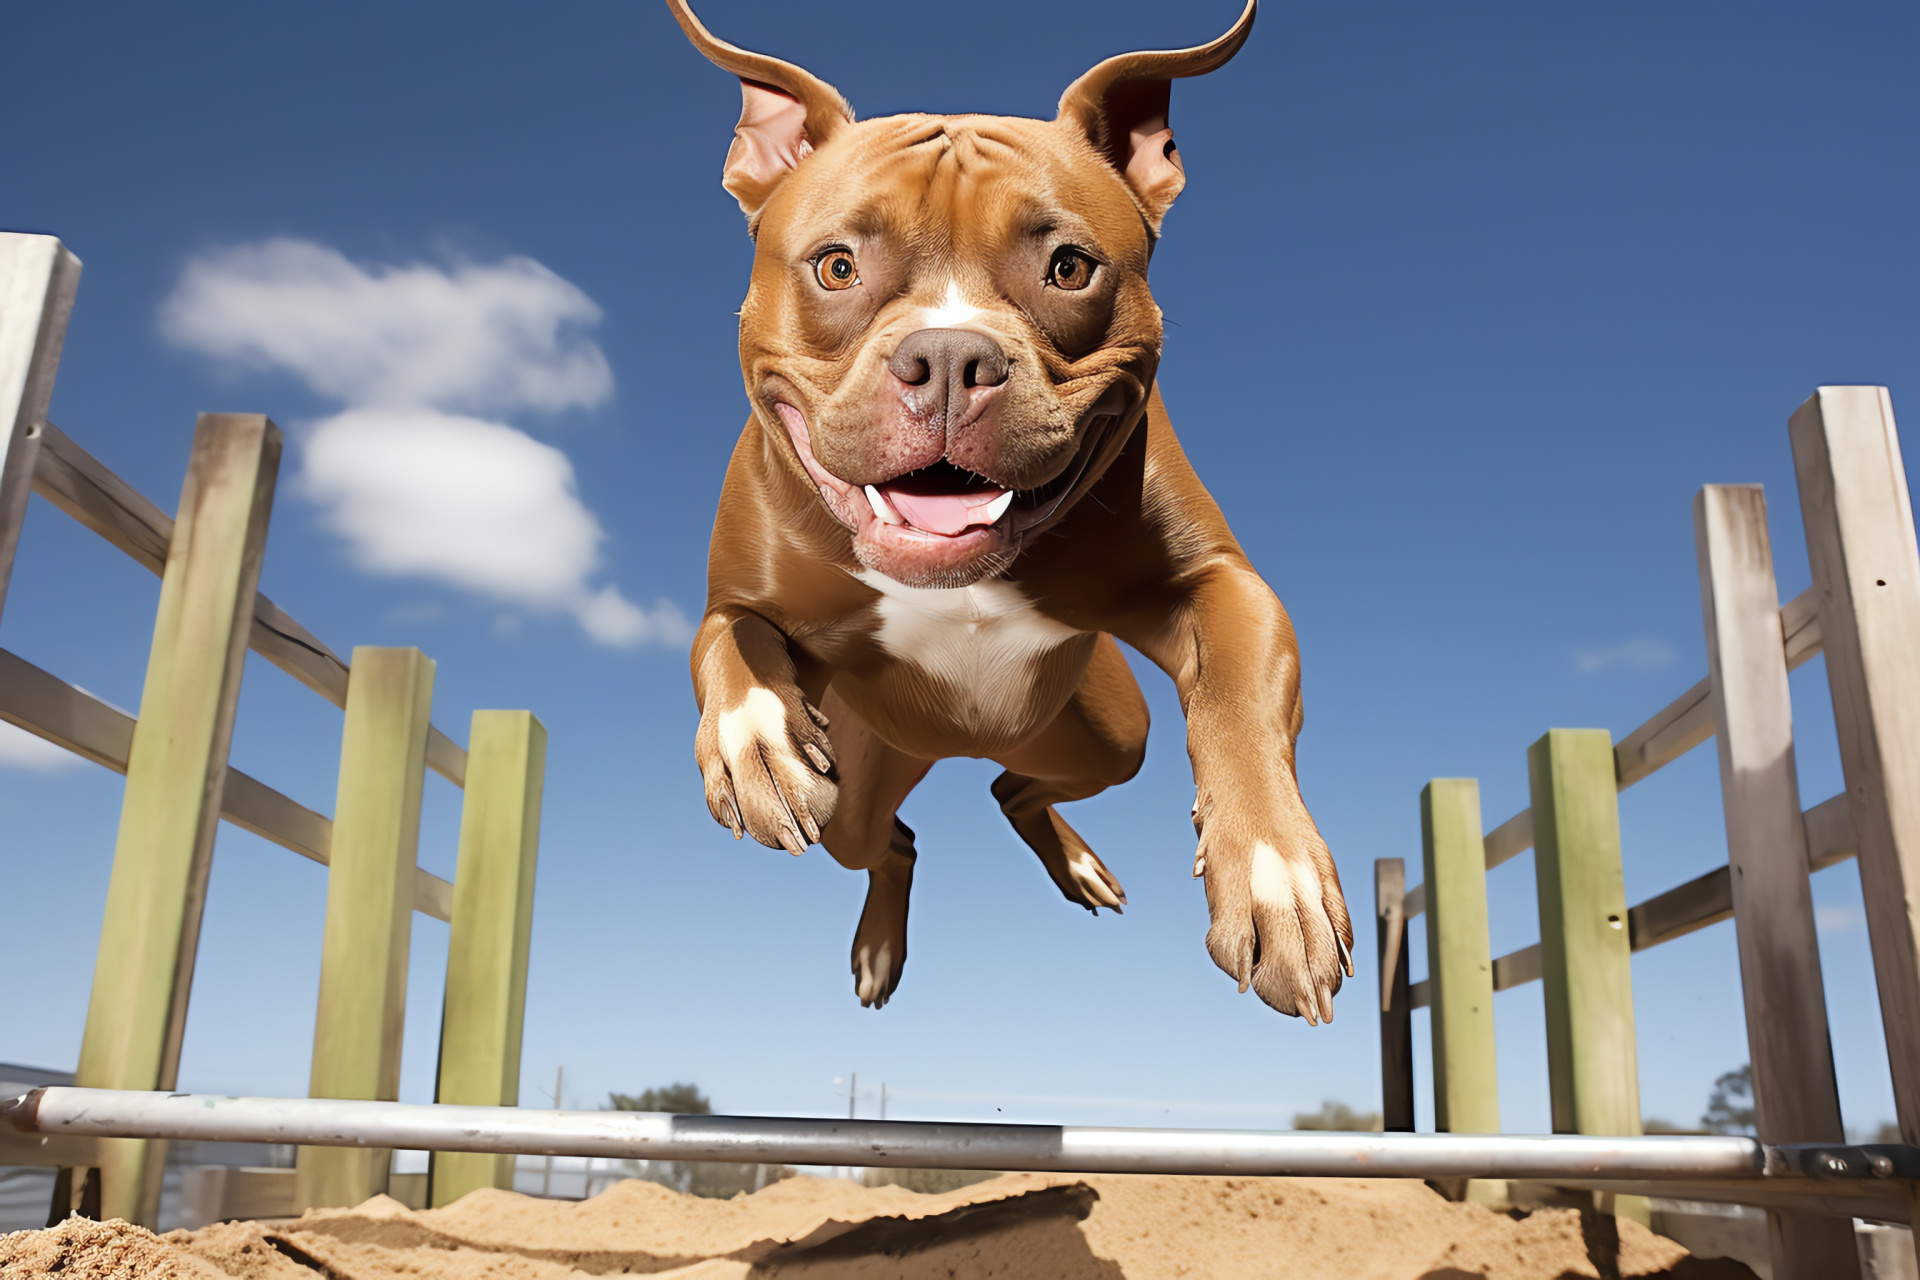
(946, 501)
(941, 525)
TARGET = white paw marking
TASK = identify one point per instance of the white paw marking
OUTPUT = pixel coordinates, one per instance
(981, 640)
(760, 716)
(953, 309)
(1272, 885)
(1087, 873)
(873, 971)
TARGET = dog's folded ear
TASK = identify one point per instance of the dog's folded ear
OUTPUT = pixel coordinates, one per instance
(1122, 107)
(785, 112)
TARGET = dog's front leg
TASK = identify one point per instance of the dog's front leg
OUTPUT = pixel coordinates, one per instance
(762, 746)
(1278, 919)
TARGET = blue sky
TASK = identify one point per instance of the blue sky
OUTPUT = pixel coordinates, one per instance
(1465, 303)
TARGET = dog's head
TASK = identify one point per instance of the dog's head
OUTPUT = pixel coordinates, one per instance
(949, 318)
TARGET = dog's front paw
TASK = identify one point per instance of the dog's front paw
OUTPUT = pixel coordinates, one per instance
(1279, 920)
(768, 767)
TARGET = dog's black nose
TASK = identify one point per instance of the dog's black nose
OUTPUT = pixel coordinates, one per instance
(941, 366)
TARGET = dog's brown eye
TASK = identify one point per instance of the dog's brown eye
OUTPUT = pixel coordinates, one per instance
(1070, 269)
(836, 270)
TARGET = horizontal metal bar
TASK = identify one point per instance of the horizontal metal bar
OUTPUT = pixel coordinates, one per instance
(68, 716)
(80, 485)
(894, 1143)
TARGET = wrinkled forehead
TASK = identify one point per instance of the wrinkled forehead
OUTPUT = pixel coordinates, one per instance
(957, 185)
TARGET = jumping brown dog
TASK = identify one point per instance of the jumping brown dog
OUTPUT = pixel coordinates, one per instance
(958, 488)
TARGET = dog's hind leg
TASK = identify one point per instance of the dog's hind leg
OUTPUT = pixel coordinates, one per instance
(865, 834)
(1097, 741)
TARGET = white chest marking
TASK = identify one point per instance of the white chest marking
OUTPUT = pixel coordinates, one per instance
(981, 640)
(952, 310)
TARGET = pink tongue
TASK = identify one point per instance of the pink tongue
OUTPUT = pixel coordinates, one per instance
(942, 513)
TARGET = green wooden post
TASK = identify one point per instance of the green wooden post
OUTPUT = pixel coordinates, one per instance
(1466, 1091)
(363, 964)
(176, 769)
(492, 922)
(1585, 953)
(1585, 957)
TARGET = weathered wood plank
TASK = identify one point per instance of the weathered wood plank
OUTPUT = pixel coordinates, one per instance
(1585, 961)
(1459, 967)
(1670, 733)
(1396, 1010)
(1510, 839)
(1683, 909)
(38, 278)
(1795, 1095)
(47, 706)
(1830, 834)
(1861, 544)
(176, 773)
(76, 482)
(363, 963)
(486, 997)
(1516, 968)
(1866, 573)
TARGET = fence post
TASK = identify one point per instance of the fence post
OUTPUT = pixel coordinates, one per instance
(1866, 571)
(37, 282)
(176, 770)
(1795, 1095)
(1586, 966)
(487, 953)
(363, 962)
(1466, 1092)
(1396, 997)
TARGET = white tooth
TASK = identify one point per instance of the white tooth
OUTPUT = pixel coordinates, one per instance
(882, 509)
(998, 507)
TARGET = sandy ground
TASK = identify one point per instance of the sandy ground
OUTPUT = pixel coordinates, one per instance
(1019, 1225)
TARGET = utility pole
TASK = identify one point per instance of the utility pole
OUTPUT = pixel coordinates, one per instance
(853, 1091)
(883, 1099)
(546, 1179)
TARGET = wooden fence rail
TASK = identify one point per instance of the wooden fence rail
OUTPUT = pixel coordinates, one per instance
(180, 787)
(1863, 612)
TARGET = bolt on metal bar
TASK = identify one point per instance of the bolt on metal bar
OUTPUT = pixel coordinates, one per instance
(911, 1144)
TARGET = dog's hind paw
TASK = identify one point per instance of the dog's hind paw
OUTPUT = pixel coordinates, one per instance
(1073, 866)
(880, 943)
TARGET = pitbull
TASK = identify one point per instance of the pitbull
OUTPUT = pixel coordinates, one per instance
(958, 491)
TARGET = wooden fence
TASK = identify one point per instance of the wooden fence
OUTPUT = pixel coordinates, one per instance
(179, 786)
(1863, 612)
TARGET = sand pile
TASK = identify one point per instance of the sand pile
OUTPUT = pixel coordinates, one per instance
(1057, 1227)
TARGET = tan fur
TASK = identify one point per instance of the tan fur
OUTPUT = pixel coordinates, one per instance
(839, 659)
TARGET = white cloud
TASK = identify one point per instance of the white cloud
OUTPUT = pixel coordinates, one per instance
(22, 750)
(414, 487)
(1635, 655)
(1838, 917)
(490, 338)
(477, 504)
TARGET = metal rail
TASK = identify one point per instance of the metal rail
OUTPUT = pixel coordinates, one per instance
(107, 1113)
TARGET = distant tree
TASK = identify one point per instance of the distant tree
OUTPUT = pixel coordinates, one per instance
(1338, 1117)
(1888, 1132)
(716, 1179)
(1655, 1125)
(683, 1099)
(1730, 1105)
